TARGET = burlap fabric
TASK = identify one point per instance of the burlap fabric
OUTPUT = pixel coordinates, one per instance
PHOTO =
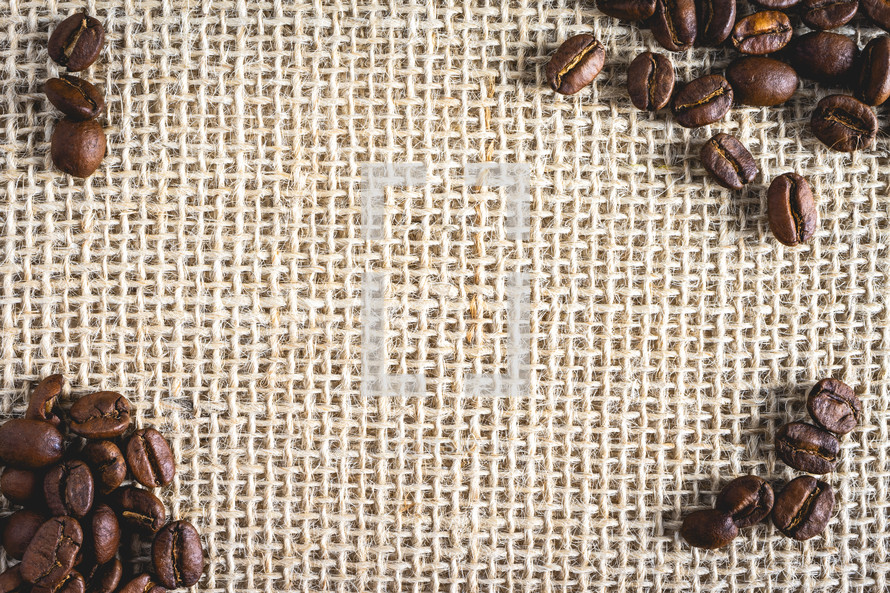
(211, 270)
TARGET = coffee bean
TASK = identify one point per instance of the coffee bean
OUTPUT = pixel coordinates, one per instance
(873, 86)
(760, 81)
(101, 415)
(52, 552)
(792, 210)
(777, 4)
(807, 448)
(177, 556)
(22, 486)
(139, 509)
(68, 488)
(674, 24)
(834, 406)
(19, 531)
(107, 463)
(716, 19)
(878, 11)
(703, 101)
(843, 123)
(828, 14)
(142, 584)
(11, 581)
(708, 529)
(762, 32)
(650, 81)
(628, 10)
(43, 402)
(102, 534)
(803, 508)
(76, 42)
(77, 147)
(104, 578)
(825, 57)
(748, 500)
(75, 97)
(29, 443)
(728, 161)
(575, 64)
(72, 583)
(150, 458)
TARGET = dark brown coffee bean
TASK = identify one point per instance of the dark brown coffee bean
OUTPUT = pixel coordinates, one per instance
(575, 64)
(762, 33)
(760, 81)
(52, 552)
(828, 14)
(101, 534)
(674, 24)
(101, 415)
(104, 578)
(878, 11)
(834, 406)
(43, 403)
(29, 443)
(748, 500)
(843, 123)
(11, 581)
(728, 161)
(873, 86)
(708, 529)
(68, 488)
(177, 556)
(650, 81)
(703, 101)
(139, 509)
(807, 448)
(777, 4)
(19, 531)
(142, 584)
(825, 57)
(22, 486)
(628, 10)
(803, 508)
(150, 458)
(76, 42)
(792, 210)
(75, 97)
(72, 583)
(107, 463)
(77, 147)
(716, 19)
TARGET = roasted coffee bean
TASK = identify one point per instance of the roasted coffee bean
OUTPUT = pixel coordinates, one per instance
(68, 488)
(716, 19)
(803, 508)
(150, 458)
(11, 581)
(575, 64)
(177, 556)
(72, 583)
(843, 123)
(629, 10)
(708, 529)
(834, 406)
(29, 443)
(674, 24)
(142, 584)
(101, 415)
(828, 14)
(76, 42)
(104, 578)
(75, 97)
(650, 81)
(873, 87)
(43, 403)
(52, 552)
(748, 500)
(22, 486)
(760, 81)
(139, 509)
(777, 4)
(108, 465)
(703, 101)
(728, 161)
(77, 147)
(762, 33)
(19, 531)
(807, 448)
(878, 11)
(102, 534)
(792, 210)
(825, 57)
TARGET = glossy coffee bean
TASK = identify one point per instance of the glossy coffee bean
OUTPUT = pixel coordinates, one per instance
(703, 101)
(828, 14)
(75, 97)
(143, 583)
(29, 444)
(11, 581)
(43, 401)
(77, 147)
(104, 578)
(807, 448)
(716, 19)
(177, 556)
(777, 4)
(72, 583)
(762, 82)
(873, 85)
(68, 488)
(674, 24)
(708, 529)
(803, 508)
(150, 458)
(22, 486)
(792, 210)
(748, 500)
(878, 11)
(52, 552)
(728, 161)
(762, 33)
(76, 42)
(628, 10)
(101, 415)
(834, 406)
(650, 81)
(19, 531)
(843, 123)
(107, 464)
(575, 64)
(825, 57)
(139, 509)
(101, 534)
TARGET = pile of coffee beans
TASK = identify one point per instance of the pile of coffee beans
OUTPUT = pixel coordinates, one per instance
(81, 515)
(78, 142)
(803, 508)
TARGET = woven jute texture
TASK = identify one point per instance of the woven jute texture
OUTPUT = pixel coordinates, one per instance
(212, 271)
